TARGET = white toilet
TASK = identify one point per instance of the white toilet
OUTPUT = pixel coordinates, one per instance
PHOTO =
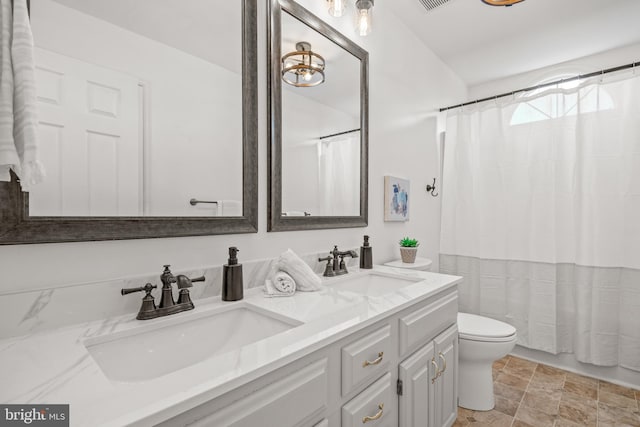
(482, 342)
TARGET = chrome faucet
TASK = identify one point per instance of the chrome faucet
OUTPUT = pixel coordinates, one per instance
(335, 262)
(168, 305)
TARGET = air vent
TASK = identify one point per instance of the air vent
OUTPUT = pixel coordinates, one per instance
(432, 4)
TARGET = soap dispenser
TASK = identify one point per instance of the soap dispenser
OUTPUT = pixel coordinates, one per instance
(232, 288)
(366, 255)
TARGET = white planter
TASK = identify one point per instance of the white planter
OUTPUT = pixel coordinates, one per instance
(408, 255)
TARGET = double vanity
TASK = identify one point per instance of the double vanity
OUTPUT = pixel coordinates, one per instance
(374, 347)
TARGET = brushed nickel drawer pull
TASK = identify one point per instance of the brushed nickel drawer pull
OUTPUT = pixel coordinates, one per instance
(373, 362)
(437, 370)
(444, 363)
(376, 416)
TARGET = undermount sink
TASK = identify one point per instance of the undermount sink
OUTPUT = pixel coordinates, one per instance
(371, 284)
(170, 344)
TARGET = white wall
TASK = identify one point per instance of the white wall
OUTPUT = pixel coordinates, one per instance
(588, 64)
(404, 91)
(194, 107)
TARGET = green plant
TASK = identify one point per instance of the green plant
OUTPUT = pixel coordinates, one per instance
(409, 243)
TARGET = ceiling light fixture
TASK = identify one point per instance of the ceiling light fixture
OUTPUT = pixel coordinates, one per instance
(363, 16)
(363, 13)
(336, 7)
(501, 2)
(303, 68)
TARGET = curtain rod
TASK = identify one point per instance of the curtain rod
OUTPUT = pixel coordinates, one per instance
(340, 133)
(553, 83)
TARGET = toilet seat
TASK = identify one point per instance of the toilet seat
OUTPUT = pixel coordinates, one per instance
(479, 328)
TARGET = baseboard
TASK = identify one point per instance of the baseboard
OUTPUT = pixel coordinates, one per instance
(567, 361)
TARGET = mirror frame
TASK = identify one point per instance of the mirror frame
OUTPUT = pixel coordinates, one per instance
(17, 227)
(276, 221)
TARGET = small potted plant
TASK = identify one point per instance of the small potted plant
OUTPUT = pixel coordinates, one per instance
(408, 250)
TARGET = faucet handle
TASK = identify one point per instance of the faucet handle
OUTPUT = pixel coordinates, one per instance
(147, 288)
(328, 271)
(184, 282)
(148, 307)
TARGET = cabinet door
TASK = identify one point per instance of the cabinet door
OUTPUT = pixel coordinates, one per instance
(446, 386)
(417, 373)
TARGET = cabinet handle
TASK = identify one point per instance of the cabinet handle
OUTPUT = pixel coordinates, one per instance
(376, 416)
(444, 363)
(373, 362)
(437, 370)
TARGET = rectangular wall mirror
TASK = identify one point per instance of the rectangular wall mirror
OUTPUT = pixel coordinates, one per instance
(147, 121)
(318, 89)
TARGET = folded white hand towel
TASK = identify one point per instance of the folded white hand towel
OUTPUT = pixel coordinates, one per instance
(306, 280)
(273, 291)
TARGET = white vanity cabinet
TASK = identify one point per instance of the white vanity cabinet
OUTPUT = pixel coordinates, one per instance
(428, 381)
(399, 371)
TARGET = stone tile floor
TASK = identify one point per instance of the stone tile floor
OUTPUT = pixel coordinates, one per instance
(529, 394)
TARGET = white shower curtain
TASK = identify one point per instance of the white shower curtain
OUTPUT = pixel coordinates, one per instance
(541, 214)
(339, 174)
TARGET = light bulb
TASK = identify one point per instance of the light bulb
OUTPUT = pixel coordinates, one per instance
(336, 7)
(364, 21)
(307, 76)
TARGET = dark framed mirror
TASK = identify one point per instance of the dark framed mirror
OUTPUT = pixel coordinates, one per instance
(318, 123)
(181, 175)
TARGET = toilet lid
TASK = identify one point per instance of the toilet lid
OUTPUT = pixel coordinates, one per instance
(477, 327)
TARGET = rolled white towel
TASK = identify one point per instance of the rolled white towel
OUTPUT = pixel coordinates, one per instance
(284, 282)
(271, 291)
(306, 280)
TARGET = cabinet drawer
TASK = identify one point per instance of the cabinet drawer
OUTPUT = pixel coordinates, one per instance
(425, 323)
(287, 402)
(365, 358)
(375, 402)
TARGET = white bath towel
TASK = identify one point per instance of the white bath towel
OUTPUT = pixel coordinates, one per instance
(18, 116)
(306, 280)
(8, 154)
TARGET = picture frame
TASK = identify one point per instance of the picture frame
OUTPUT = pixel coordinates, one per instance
(396, 198)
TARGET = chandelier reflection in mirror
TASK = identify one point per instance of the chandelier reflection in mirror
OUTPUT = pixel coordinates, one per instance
(363, 13)
(501, 2)
(303, 68)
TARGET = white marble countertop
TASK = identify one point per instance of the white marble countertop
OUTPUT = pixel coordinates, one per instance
(55, 367)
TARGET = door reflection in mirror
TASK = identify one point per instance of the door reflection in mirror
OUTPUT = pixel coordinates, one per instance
(140, 107)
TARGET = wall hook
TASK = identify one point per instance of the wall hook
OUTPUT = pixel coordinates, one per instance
(432, 188)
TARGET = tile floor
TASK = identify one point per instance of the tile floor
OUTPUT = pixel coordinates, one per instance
(529, 394)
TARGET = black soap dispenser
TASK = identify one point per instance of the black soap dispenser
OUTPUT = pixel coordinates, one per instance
(366, 255)
(232, 289)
